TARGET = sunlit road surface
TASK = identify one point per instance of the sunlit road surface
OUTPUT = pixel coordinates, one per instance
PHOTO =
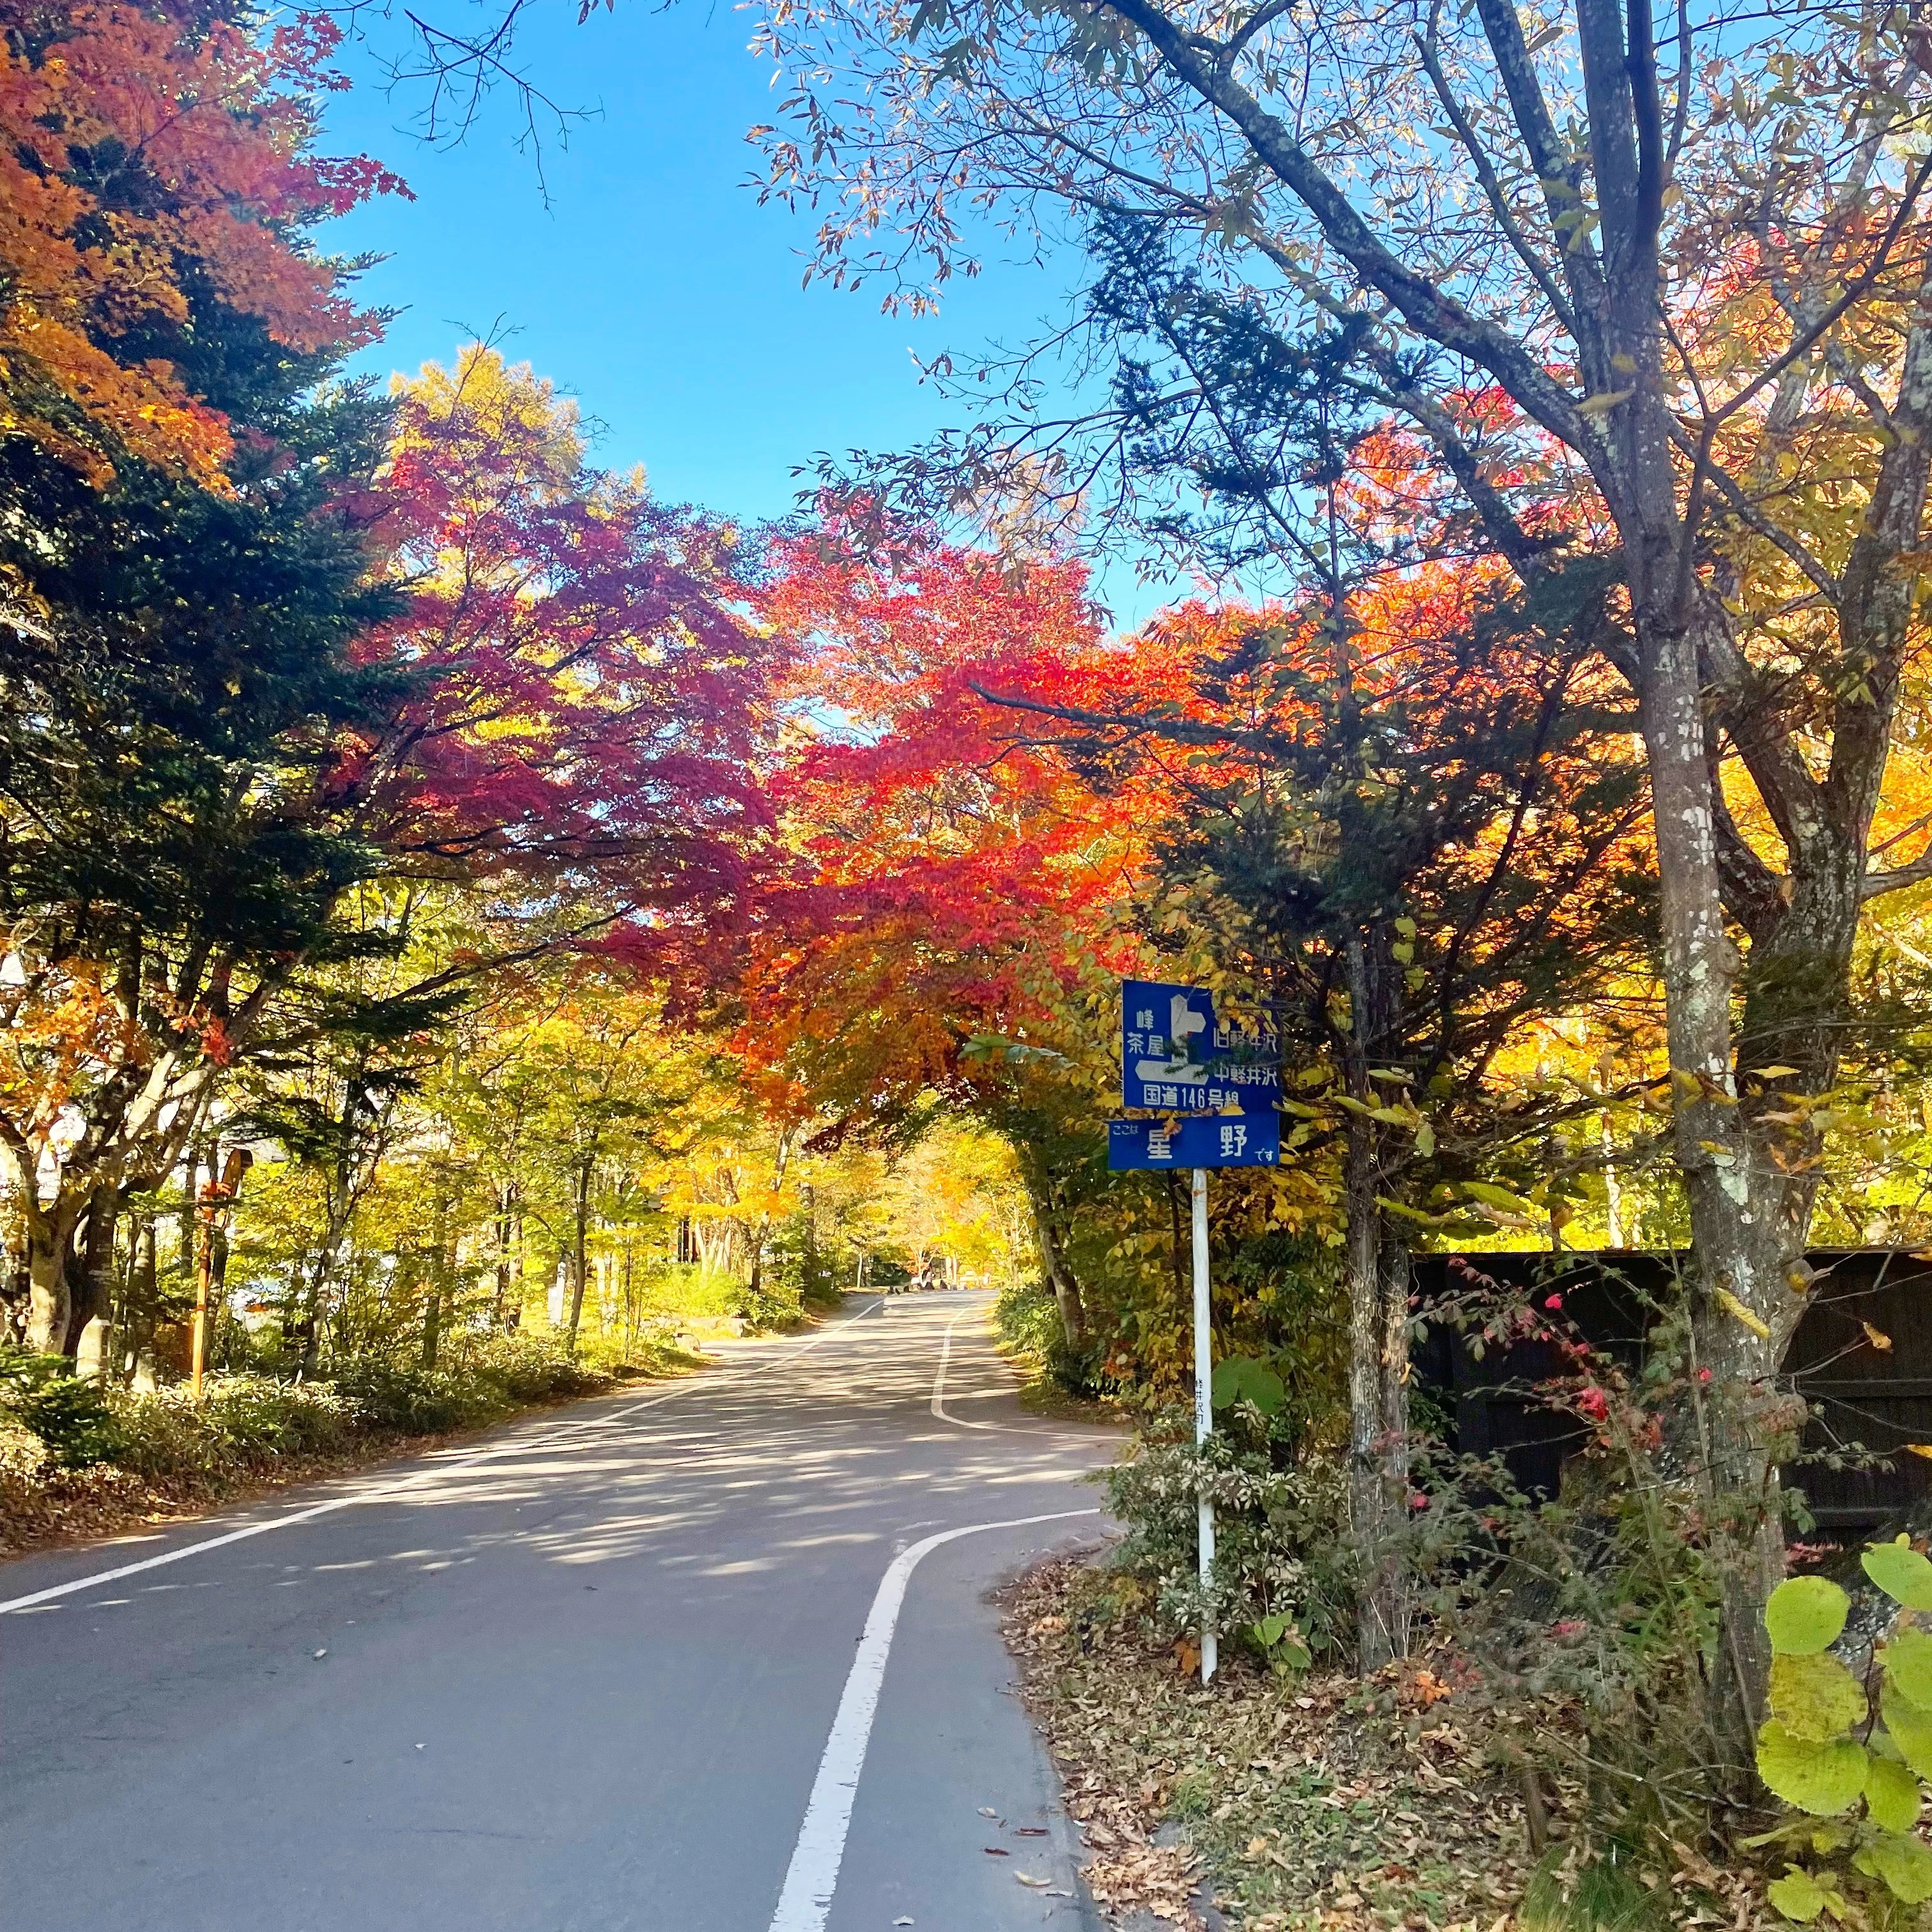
(582, 1673)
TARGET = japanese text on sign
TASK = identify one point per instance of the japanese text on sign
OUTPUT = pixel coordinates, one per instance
(1249, 1140)
(1176, 1053)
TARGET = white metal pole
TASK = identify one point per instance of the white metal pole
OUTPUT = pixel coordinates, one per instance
(1204, 1398)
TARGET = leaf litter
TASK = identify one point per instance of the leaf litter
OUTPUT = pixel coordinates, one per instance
(1320, 1804)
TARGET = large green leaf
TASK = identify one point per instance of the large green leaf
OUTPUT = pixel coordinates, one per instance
(1805, 1614)
(1815, 1698)
(1242, 1379)
(1891, 1795)
(1823, 1779)
(1796, 1894)
(1901, 1573)
(1906, 1866)
(1908, 1666)
(1493, 1196)
(1910, 1728)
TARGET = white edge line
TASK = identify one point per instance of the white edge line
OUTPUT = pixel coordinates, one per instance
(939, 1380)
(520, 1445)
(943, 1414)
(812, 1877)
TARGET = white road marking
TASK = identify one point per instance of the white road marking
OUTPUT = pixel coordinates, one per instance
(416, 1479)
(939, 1407)
(944, 1415)
(812, 1877)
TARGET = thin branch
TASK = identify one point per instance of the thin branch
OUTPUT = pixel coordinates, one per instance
(1875, 885)
(1491, 184)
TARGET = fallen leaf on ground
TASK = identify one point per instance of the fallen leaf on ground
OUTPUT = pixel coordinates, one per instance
(1318, 1804)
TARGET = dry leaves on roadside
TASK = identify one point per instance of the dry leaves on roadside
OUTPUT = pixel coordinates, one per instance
(1160, 1878)
(1319, 1804)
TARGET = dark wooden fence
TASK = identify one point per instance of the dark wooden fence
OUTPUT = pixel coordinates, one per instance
(1865, 1394)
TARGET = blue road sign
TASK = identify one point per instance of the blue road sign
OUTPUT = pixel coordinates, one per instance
(1176, 1054)
(1215, 1140)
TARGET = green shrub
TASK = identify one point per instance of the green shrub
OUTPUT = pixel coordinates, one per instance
(69, 1414)
(528, 1368)
(775, 1303)
(260, 1417)
(1850, 1753)
(1028, 1321)
(249, 1421)
(1028, 1318)
(414, 1401)
(1283, 1569)
(242, 1421)
(797, 1268)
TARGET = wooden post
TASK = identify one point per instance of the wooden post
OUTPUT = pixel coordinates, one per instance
(216, 1197)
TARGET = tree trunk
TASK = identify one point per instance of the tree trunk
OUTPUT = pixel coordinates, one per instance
(1177, 1241)
(761, 1233)
(49, 1283)
(579, 1247)
(1743, 1239)
(505, 1205)
(91, 1261)
(232, 1169)
(1376, 1266)
(439, 1273)
(1391, 1583)
(1060, 1277)
(143, 1300)
(1375, 1627)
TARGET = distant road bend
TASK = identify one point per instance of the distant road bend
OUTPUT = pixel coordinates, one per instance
(715, 1657)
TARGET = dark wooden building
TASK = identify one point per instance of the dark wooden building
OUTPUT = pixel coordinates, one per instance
(1864, 1393)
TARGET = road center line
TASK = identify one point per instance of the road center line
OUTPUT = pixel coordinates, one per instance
(416, 1478)
(812, 1877)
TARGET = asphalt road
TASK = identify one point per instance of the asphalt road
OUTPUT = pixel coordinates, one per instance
(589, 1673)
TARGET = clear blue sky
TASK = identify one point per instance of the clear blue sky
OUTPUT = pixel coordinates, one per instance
(651, 285)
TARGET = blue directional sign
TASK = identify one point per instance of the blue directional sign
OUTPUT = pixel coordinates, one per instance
(1176, 1053)
(1214, 1140)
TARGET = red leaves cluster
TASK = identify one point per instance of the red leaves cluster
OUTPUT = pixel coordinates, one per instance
(957, 872)
(140, 148)
(582, 705)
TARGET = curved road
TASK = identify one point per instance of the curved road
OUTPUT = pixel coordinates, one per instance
(617, 1667)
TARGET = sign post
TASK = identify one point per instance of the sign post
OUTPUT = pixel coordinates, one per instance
(1204, 1406)
(1175, 1057)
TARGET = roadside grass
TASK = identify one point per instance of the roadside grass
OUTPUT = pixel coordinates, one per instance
(1026, 1331)
(1299, 1803)
(166, 1457)
(1041, 1395)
